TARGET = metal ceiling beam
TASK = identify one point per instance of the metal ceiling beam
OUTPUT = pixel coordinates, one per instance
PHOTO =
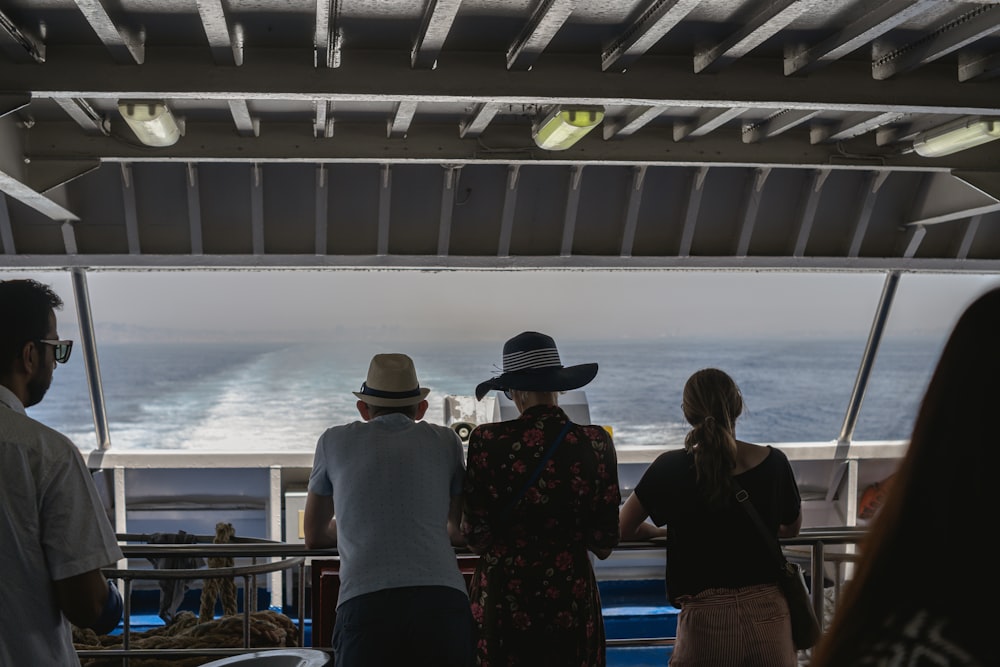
(632, 210)
(12, 102)
(434, 29)
(705, 122)
(22, 45)
(126, 47)
(85, 116)
(654, 81)
(21, 192)
(780, 122)
(978, 66)
(570, 213)
(653, 23)
(634, 120)
(480, 119)
(542, 26)
(447, 208)
(753, 194)
(323, 125)
(880, 19)
(6, 231)
(226, 42)
(130, 210)
(507, 214)
(809, 207)
(194, 210)
(401, 119)
(463, 262)
(384, 209)
(246, 125)
(439, 144)
(968, 28)
(852, 126)
(871, 187)
(322, 208)
(695, 192)
(971, 227)
(768, 22)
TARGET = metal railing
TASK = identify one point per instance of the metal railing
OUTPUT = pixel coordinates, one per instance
(815, 541)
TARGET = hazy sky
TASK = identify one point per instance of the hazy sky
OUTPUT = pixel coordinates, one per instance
(494, 305)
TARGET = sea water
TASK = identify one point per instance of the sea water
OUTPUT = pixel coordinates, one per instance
(254, 396)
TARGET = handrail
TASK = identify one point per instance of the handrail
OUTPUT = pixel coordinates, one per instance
(292, 555)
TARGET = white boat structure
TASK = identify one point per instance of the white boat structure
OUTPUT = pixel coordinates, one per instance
(841, 136)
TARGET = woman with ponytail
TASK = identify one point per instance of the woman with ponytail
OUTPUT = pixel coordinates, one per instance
(719, 571)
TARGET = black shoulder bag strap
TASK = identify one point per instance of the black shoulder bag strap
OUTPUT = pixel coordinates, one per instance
(743, 498)
(538, 471)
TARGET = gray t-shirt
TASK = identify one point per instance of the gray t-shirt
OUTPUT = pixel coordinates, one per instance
(392, 480)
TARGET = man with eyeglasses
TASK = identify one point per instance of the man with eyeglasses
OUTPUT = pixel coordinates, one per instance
(55, 535)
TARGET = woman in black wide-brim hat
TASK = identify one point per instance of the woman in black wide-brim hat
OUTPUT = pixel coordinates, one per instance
(540, 493)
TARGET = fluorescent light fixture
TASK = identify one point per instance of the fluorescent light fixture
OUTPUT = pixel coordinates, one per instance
(956, 136)
(564, 126)
(151, 121)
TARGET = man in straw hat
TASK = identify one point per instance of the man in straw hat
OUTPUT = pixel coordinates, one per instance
(396, 484)
(540, 493)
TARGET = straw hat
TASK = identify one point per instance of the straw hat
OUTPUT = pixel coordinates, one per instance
(392, 382)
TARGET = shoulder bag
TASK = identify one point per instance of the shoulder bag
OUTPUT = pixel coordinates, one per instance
(505, 513)
(805, 625)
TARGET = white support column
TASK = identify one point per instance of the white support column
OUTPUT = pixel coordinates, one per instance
(274, 533)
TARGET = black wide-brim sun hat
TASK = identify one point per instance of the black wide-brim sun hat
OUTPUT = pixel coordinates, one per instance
(531, 363)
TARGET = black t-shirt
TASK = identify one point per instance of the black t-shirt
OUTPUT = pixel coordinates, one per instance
(711, 547)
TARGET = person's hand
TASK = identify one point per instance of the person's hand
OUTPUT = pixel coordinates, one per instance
(112, 612)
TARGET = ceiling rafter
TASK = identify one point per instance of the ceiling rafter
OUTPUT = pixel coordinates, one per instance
(655, 21)
(27, 46)
(781, 121)
(853, 126)
(880, 19)
(434, 28)
(768, 22)
(571, 210)
(632, 210)
(480, 119)
(246, 125)
(541, 27)
(438, 144)
(289, 75)
(635, 120)
(86, 117)
(968, 28)
(978, 66)
(226, 42)
(125, 45)
(401, 119)
(323, 123)
(328, 39)
(707, 121)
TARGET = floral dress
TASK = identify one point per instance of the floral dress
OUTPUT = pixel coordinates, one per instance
(534, 596)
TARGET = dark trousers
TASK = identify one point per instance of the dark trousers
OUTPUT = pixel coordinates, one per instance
(415, 625)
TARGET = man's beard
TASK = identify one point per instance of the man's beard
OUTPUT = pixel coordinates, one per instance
(37, 387)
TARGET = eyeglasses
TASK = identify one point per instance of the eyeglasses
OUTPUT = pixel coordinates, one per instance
(506, 392)
(62, 348)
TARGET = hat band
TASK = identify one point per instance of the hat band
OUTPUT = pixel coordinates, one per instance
(543, 358)
(378, 393)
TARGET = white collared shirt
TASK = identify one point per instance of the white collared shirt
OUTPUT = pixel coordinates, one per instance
(53, 525)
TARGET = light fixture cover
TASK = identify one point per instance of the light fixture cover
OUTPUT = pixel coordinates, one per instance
(956, 136)
(564, 126)
(151, 120)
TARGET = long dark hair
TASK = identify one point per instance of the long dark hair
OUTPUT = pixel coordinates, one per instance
(943, 498)
(712, 403)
